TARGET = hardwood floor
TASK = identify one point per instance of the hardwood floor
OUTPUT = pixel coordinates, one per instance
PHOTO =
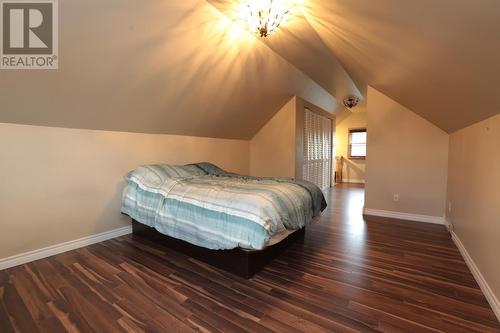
(347, 275)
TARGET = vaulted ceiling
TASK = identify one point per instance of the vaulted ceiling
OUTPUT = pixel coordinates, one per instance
(440, 59)
(156, 66)
(301, 45)
(184, 67)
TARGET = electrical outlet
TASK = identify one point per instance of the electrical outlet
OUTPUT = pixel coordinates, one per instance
(396, 197)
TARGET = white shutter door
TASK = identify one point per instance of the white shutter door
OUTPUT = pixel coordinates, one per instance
(317, 149)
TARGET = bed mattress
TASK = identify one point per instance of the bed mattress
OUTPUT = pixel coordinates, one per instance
(208, 207)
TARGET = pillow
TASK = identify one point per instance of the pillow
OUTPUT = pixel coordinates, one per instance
(154, 176)
(210, 169)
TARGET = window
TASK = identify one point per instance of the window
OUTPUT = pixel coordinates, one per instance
(357, 143)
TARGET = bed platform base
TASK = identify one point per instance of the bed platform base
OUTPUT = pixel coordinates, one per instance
(241, 262)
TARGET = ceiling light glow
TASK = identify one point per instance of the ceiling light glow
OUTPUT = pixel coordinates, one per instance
(264, 17)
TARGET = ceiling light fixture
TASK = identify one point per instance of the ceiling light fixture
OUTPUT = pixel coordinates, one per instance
(351, 102)
(264, 17)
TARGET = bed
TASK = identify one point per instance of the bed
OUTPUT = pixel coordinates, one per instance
(237, 223)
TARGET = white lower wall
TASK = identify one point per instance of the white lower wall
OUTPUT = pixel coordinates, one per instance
(58, 184)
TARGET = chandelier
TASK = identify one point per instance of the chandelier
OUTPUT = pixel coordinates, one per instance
(264, 17)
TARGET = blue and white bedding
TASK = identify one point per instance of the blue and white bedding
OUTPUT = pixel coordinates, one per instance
(206, 206)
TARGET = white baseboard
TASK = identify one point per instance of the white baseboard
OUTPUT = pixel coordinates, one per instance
(448, 225)
(485, 287)
(48, 251)
(354, 181)
(405, 216)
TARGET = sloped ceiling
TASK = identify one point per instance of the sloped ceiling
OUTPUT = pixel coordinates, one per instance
(183, 67)
(299, 43)
(178, 67)
(440, 59)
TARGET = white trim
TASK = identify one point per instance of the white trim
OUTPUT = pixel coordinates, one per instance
(485, 287)
(48, 251)
(448, 225)
(405, 216)
(354, 181)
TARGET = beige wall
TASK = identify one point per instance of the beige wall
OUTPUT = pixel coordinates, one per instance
(473, 191)
(406, 155)
(353, 170)
(272, 149)
(278, 148)
(63, 184)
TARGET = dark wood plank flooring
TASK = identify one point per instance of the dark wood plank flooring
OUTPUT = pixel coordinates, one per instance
(348, 274)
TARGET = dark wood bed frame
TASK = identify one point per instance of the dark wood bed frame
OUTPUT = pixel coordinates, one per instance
(244, 263)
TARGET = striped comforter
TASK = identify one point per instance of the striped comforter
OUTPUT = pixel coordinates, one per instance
(208, 207)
